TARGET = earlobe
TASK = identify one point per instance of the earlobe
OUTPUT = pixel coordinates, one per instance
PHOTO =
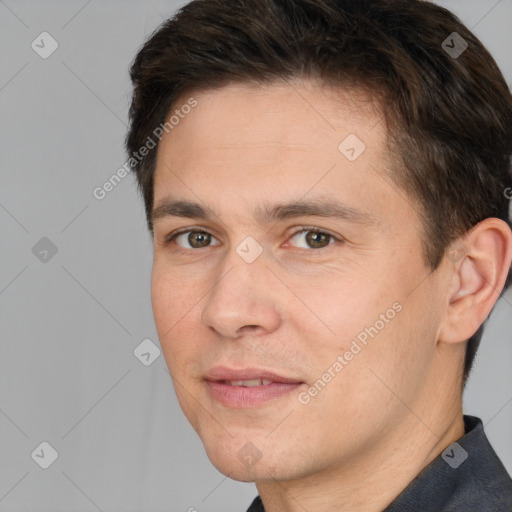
(480, 262)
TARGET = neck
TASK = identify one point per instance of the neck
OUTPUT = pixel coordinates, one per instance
(374, 480)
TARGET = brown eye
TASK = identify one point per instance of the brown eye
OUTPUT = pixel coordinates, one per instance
(315, 239)
(199, 238)
(195, 239)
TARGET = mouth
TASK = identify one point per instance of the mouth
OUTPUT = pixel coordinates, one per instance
(249, 383)
(248, 387)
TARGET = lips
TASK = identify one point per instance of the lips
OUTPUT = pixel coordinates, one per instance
(248, 387)
(229, 375)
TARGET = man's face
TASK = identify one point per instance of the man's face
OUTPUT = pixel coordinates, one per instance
(259, 296)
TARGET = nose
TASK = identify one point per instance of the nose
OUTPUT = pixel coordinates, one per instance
(244, 299)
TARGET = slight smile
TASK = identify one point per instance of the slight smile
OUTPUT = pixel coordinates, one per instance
(248, 387)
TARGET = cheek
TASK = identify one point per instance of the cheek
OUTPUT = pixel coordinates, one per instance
(384, 336)
(371, 382)
(171, 311)
(395, 361)
(339, 308)
(169, 296)
(172, 314)
(163, 304)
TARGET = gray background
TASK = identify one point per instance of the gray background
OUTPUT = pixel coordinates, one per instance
(69, 325)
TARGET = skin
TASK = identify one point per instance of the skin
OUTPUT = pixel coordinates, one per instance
(396, 405)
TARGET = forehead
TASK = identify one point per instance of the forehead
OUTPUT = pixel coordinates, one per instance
(247, 143)
(298, 111)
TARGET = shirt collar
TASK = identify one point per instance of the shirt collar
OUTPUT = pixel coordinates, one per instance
(466, 473)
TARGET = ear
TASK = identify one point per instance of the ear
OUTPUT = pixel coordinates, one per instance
(478, 266)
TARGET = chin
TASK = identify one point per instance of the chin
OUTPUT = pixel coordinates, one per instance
(236, 471)
(245, 464)
(236, 465)
(240, 475)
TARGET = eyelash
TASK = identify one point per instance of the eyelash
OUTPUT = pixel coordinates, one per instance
(304, 229)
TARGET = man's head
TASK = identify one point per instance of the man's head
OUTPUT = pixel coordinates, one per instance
(374, 107)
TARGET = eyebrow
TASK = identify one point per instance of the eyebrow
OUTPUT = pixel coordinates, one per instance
(268, 213)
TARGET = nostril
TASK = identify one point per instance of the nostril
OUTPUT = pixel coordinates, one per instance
(249, 328)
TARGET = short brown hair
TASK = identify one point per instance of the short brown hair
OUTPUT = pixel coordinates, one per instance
(449, 116)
